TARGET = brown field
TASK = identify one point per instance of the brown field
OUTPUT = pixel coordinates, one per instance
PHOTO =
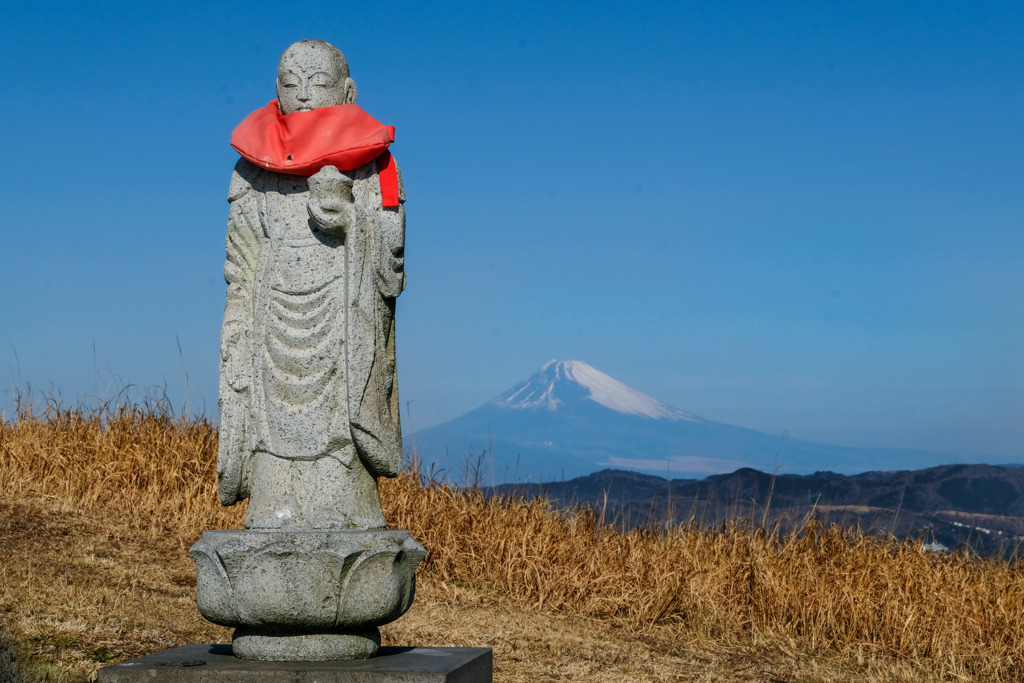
(98, 511)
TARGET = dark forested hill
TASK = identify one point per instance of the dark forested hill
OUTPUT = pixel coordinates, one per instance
(953, 505)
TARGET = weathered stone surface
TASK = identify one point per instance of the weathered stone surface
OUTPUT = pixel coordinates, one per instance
(310, 76)
(195, 663)
(308, 386)
(305, 580)
(283, 646)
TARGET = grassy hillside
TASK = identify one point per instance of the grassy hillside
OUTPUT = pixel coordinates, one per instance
(98, 511)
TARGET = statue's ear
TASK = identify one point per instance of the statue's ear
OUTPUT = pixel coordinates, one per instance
(350, 91)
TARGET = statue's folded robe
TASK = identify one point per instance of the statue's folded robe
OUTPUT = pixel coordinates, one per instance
(303, 142)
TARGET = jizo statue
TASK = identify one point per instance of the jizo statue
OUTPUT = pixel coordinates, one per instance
(316, 232)
(308, 395)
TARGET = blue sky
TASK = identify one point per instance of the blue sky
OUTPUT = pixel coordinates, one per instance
(798, 217)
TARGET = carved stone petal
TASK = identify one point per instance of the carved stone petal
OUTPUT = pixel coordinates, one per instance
(375, 590)
(213, 589)
(283, 585)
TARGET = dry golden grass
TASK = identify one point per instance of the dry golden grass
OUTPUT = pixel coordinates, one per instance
(99, 511)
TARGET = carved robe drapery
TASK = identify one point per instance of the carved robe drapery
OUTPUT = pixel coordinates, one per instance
(308, 339)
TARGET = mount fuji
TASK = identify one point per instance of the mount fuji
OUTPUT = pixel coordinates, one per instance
(569, 419)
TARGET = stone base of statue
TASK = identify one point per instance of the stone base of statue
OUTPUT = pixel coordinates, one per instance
(204, 663)
(305, 596)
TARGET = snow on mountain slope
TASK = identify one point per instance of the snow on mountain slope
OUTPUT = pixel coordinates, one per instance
(562, 381)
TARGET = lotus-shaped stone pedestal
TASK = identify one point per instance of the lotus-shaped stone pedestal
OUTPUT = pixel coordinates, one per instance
(305, 595)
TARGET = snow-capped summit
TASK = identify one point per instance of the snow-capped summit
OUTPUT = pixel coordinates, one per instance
(562, 382)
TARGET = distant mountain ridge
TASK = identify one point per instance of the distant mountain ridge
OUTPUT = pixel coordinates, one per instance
(568, 419)
(981, 506)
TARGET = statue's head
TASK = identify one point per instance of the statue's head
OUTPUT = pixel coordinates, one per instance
(313, 74)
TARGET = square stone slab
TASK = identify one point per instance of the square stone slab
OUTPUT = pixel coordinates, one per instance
(200, 663)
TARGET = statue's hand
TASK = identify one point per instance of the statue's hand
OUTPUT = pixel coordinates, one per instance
(330, 200)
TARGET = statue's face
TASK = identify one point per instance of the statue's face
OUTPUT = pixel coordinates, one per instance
(309, 77)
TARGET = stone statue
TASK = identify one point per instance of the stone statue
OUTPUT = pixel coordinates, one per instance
(308, 398)
(308, 392)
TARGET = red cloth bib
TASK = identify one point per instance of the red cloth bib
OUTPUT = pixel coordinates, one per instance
(303, 142)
